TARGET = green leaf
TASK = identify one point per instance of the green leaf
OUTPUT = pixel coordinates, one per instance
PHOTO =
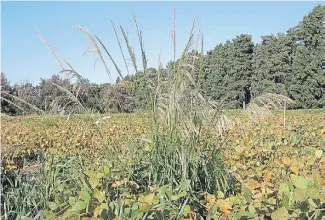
(85, 196)
(312, 204)
(52, 205)
(243, 215)
(299, 181)
(93, 181)
(128, 201)
(247, 193)
(169, 191)
(104, 205)
(106, 170)
(99, 175)
(100, 196)
(137, 214)
(310, 182)
(162, 191)
(180, 195)
(220, 195)
(284, 188)
(317, 179)
(49, 214)
(313, 193)
(72, 200)
(322, 142)
(80, 205)
(280, 214)
(186, 210)
(155, 200)
(135, 206)
(151, 216)
(127, 211)
(26, 218)
(300, 195)
(252, 209)
(285, 200)
(68, 213)
(90, 173)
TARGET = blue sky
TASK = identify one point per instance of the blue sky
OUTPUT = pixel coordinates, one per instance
(25, 57)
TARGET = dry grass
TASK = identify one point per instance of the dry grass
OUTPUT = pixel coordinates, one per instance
(262, 106)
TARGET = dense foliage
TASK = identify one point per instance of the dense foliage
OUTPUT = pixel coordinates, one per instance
(277, 171)
(292, 64)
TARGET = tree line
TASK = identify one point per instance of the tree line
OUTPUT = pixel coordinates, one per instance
(234, 72)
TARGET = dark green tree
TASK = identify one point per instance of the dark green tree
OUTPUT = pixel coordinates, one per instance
(307, 81)
(272, 65)
(6, 106)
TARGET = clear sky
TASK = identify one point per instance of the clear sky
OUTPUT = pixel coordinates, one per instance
(25, 57)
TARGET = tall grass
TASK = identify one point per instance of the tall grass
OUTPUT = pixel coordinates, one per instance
(181, 148)
(182, 151)
(182, 120)
(27, 193)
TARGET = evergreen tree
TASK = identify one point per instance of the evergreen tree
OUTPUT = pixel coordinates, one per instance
(307, 81)
(272, 64)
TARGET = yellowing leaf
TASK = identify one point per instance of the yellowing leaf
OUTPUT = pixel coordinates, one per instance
(286, 160)
(220, 194)
(252, 184)
(128, 201)
(116, 184)
(294, 169)
(145, 202)
(268, 177)
(100, 196)
(318, 154)
(280, 214)
(98, 210)
(225, 205)
(257, 196)
(210, 198)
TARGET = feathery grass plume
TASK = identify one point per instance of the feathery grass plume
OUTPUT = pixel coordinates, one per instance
(262, 106)
(68, 71)
(174, 33)
(68, 102)
(147, 80)
(49, 48)
(200, 77)
(130, 50)
(71, 73)
(143, 54)
(61, 103)
(180, 115)
(121, 50)
(95, 49)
